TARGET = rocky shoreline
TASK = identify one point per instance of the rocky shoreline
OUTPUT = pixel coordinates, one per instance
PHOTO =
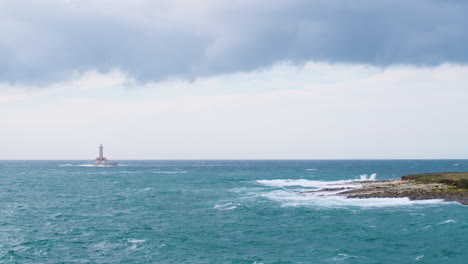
(412, 189)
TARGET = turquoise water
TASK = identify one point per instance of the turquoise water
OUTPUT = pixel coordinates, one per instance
(221, 212)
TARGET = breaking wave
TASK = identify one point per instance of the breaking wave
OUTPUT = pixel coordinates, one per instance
(169, 172)
(364, 177)
(225, 207)
(307, 183)
(323, 200)
(99, 166)
(308, 193)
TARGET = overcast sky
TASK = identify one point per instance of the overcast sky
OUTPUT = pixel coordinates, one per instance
(248, 79)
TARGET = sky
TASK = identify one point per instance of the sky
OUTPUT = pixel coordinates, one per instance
(256, 79)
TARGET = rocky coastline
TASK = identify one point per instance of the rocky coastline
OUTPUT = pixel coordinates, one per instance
(447, 186)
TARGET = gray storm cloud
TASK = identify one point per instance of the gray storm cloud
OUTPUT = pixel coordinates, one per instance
(42, 42)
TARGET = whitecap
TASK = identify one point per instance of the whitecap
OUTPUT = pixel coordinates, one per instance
(447, 222)
(133, 247)
(169, 172)
(228, 208)
(302, 192)
(99, 166)
(342, 257)
(288, 198)
(65, 165)
(130, 172)
(225, 207)
(364, 177)
(304, 183)
(222, 205)
(136, 241)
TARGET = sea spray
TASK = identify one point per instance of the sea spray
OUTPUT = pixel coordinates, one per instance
(364, 177)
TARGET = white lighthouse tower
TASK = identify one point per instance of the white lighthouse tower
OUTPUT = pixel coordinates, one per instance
(101, 152)
(101, 160)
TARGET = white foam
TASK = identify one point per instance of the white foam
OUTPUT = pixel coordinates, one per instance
(228, 208)
(448, 222)
(342, 257)
(136, 241)
(307, 183)
(364, 177)
(224, 207)
(169, 172)
(302, 192)
(310, 169)
(99, 166)
(65, 165)
(133, 247)
(287, 198)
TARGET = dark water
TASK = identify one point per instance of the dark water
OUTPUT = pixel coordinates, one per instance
(220, 212)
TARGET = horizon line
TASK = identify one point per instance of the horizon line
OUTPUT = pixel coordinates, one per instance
(258, 159)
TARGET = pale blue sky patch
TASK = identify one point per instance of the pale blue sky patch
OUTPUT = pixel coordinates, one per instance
(403, 112)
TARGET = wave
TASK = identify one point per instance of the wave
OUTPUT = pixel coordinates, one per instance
(302, 192)
(294, 199)
(364, 177)
(130, 172)
(178, 165)
(307, 183)
(225, 207)
(65, 165)
(99, 166)
(136, 241)
(447, 222)
(318, 184)
(169, 172)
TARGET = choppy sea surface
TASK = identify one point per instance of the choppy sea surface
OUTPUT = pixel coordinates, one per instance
(222, 212)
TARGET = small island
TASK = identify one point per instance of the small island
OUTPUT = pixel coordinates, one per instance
(449, 186)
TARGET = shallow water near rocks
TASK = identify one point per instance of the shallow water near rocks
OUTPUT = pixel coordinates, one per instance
(221, 212)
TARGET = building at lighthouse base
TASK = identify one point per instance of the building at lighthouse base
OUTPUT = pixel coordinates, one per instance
(103, 162)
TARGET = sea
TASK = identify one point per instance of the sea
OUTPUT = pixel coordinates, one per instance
(222, 211)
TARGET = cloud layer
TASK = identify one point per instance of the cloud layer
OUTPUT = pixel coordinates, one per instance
(49, 41)
(354, 112)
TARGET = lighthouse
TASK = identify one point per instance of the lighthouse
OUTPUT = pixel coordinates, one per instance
(101, 152)
(101, 160)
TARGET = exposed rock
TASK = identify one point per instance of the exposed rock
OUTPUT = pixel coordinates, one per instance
(327, 190)
(441, 186)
